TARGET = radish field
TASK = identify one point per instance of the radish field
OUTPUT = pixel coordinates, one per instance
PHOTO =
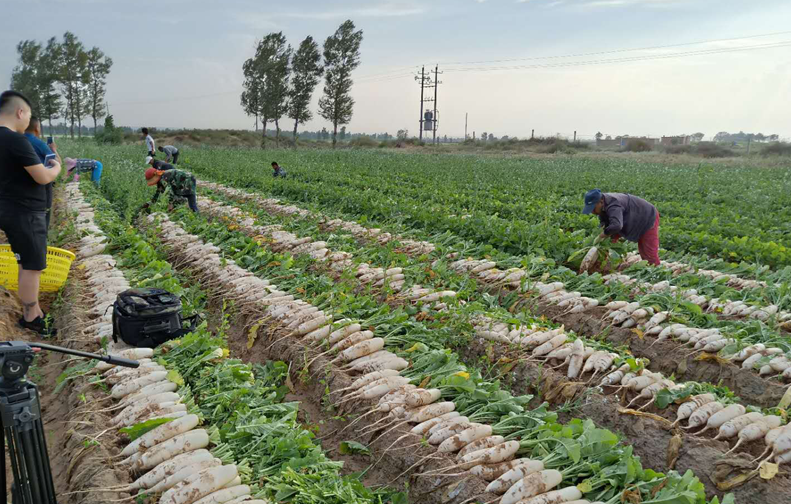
(408, 327)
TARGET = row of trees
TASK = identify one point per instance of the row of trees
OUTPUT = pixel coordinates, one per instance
(724, 136)
(62, 79)
(279, 81)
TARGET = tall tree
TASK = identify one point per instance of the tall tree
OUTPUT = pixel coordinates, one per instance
(98, 66)
(341, 57)
(252, 95)
(51, 102)
(307, 70)
(74, 78)
(257, 73)
(277, 73)
(24, 76)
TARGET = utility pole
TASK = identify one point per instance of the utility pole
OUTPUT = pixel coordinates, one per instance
(465, 125)
(436, 86)
(426, 82)
(422, 87)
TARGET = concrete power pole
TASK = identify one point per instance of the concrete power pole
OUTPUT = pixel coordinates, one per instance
(422, 87)
(466, 114)
(436, 87)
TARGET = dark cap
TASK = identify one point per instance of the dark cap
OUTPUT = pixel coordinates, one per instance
(591, 198)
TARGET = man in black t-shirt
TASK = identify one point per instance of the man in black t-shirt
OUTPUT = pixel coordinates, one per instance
(23, 205)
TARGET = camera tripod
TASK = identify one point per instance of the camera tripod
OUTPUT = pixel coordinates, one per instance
(20, 417)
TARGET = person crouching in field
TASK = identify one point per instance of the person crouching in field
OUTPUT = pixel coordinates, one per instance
(77, 166)
(183, 187)
(279, 171)
(629, 217)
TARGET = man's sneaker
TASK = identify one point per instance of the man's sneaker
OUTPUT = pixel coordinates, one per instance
(39, 325)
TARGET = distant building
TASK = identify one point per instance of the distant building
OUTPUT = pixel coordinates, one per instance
(675, 140)
(622, 141)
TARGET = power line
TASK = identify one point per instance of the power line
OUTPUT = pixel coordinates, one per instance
(786, 43)
(598, 53)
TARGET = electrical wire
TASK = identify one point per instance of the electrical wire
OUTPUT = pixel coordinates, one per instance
(702, 52)
(599, 53)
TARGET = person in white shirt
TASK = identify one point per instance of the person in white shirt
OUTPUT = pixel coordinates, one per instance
(150, 146)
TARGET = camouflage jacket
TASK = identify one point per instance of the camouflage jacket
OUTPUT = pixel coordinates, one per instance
(181, 184)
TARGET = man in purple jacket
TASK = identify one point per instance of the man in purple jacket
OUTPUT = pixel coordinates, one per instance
(627, 216)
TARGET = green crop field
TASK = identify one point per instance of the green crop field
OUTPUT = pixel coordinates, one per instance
(459, 274)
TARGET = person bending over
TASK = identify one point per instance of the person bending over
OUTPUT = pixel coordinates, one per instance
(627, 216)
(91, 166)
(182, 187)
(171, 153)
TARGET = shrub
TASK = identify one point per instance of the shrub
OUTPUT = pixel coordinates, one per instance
(364, 142)
(110, 134)
(637, 146)
(777, 149)
(679, 149)
(713, 150)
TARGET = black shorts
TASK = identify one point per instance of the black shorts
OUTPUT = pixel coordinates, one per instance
(27, 234)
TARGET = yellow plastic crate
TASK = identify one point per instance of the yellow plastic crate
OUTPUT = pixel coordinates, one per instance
(52, 279)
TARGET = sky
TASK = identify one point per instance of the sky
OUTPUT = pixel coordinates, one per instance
(510, 66)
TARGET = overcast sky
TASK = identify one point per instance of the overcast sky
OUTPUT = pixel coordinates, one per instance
(178, 62)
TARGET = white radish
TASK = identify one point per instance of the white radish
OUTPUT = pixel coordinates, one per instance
(577, 359)
(638, 383)
(615, 377)
(757, 430)
(533, 484)
(521, 468)
(133, 410)
(732, 427)
(499, 453)
(362, 349)
(472, 433)
(726, 414)
(183, 473)
(459, 420)
(750, 362)
(443, 434)
(125, 388)
(132, 353)
(149, 390)
(168, 467)
(424, 413)
(369, 378)
(225, 495)
(161, 433)
(424, 427)
(343, 333)
(200, 485)
(422, 397)
(589, 363)
(319, 334)
(189, 441)
(351, 340)
(380, 364)
(550, 345)
(480, 444)
(701, 415)
(567, 494)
